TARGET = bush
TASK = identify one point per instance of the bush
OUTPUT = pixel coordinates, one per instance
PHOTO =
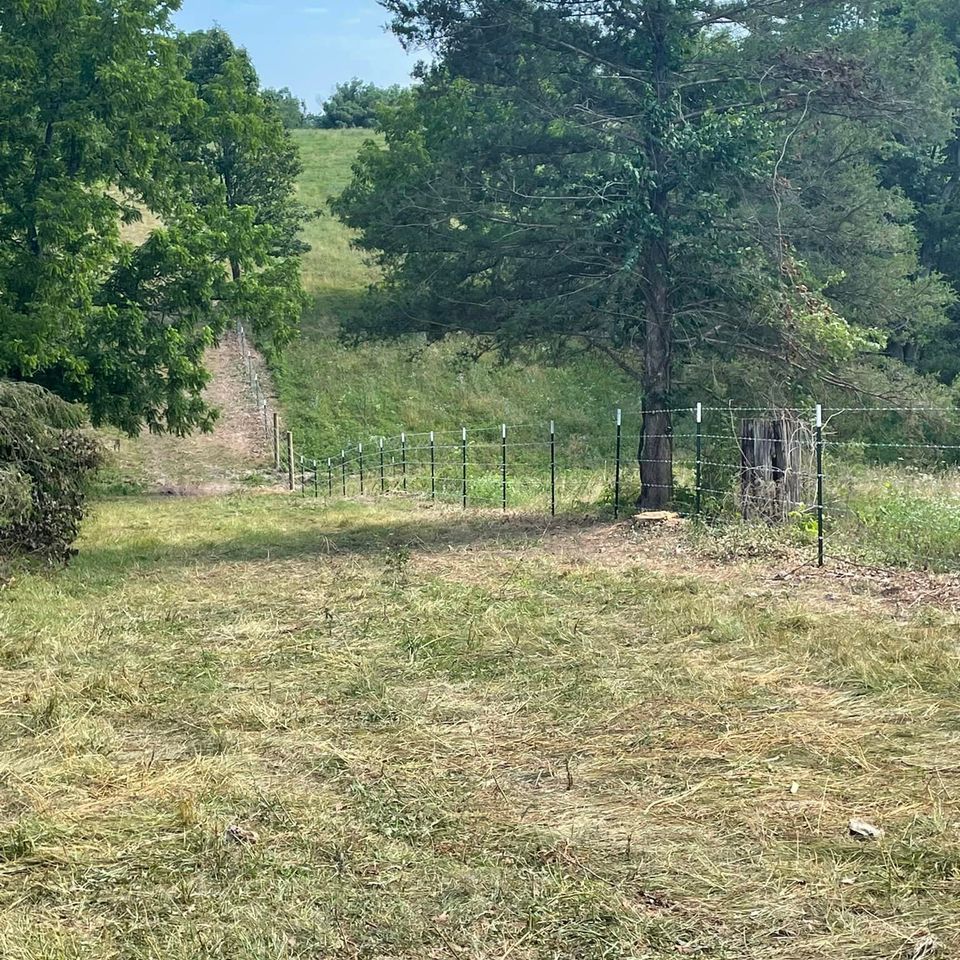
(46, 458)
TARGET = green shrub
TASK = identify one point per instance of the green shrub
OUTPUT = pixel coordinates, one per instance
(46, 458)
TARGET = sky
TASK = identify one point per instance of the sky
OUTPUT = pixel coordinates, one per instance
(307, 45)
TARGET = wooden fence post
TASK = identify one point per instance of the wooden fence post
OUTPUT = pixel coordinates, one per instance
(276, 442)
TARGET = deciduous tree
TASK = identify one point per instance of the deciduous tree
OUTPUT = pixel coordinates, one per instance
(101, 124)
(291, 109)
(356, 104)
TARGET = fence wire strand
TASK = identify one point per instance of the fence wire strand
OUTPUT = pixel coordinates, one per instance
(865, 509)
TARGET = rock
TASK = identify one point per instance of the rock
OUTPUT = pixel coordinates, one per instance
(926, 948)
(239, 835)
(656, 517)
(861, 830)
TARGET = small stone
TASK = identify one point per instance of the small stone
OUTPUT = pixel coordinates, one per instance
(861, 830)
(240, 835)
(926, 948)
(794, 788)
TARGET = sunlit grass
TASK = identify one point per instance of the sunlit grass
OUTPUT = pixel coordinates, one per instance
(332, 272)
(900, 514)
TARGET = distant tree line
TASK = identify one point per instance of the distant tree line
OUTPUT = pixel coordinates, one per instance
(352, 104)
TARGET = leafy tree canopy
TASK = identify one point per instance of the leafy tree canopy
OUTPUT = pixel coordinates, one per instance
(929, 178)
(291, 110)
(101, 123)
(250, 165)
(357, 104)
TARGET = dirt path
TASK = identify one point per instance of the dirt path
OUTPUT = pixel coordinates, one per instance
(235, 455)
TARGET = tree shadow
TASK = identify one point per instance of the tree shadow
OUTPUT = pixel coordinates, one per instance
(333, 311)
(320, 538)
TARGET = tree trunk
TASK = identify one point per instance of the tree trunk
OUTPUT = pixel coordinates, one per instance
(33, 237)
(895, 349)
(772, 468)
(234, 269)
(656, 442)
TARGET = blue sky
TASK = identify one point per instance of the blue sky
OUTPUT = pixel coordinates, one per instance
(307, 45)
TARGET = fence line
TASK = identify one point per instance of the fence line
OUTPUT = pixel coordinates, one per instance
(832, 477)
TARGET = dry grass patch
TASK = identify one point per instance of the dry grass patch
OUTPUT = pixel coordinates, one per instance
(453, 737)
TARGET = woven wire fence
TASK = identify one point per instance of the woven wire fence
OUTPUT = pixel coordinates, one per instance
(505, 466)
(252, 367)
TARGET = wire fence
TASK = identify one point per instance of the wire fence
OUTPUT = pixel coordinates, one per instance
(878, 485)
(252, 369)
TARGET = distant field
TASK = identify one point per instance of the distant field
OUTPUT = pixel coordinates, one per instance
(334, 274)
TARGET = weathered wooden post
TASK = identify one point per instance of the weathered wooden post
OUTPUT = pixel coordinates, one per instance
(291, 468)
(276, 441)
(771, 468)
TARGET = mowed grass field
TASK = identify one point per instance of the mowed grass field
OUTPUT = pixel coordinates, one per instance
(447, 735)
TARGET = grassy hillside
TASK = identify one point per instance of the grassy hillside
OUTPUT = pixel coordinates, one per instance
(334, 395)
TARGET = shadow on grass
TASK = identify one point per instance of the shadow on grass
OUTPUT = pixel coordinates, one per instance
(331, 312)
(320, 537)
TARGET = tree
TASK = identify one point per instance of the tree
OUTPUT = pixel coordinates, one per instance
(97, 114)
(291, 110)
(252, 167)
(46, 460)
(83, 107)
(929, 177)
(614, 174)
(356, 104)
(854, 226)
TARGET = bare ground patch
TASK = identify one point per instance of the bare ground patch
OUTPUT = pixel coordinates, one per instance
(671, 550)
(235, 454)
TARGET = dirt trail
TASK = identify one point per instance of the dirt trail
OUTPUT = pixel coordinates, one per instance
(236, 454)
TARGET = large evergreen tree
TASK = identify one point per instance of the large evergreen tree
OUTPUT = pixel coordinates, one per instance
(620, 174)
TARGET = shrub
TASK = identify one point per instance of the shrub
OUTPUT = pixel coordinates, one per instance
(46, 458)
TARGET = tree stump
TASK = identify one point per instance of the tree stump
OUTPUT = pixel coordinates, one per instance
(771, 468)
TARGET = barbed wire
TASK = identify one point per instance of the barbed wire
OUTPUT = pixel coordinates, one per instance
(412, 464)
